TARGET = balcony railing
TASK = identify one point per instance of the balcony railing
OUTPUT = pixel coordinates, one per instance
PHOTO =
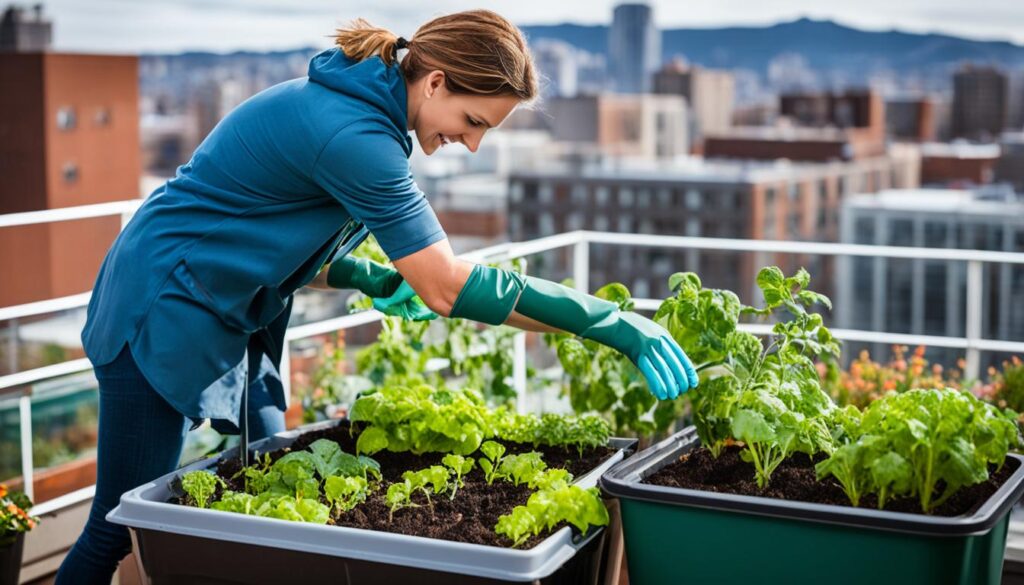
(20, 384)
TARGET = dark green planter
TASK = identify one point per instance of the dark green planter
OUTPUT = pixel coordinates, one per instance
(684, 536)
(10, 560)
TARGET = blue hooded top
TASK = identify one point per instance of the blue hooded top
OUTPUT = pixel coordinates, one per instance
(208, 265)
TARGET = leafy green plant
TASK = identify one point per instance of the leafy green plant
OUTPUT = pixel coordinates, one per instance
(459, 467)
(200, 487)
(521, 468)
(558, 502)
(434, 479)
(421, 419)
(399, 496)
(345, 492)
(286, 507)
(554, 430)
(769, 398)
(491, 461)
(910, 444)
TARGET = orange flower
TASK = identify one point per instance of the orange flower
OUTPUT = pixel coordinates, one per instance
(3, 490)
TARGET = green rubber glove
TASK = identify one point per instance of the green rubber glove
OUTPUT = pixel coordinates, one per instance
(389, 291)
(491, 294)
(405, 304)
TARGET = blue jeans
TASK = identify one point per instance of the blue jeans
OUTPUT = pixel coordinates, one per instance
(140, 438)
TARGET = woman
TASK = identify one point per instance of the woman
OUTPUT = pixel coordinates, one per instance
(194, 296)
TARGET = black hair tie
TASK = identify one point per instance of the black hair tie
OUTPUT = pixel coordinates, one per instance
(401, 43)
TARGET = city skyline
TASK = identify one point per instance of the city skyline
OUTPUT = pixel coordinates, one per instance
(167, 26)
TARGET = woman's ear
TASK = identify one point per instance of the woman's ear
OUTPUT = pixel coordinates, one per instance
(435, 81)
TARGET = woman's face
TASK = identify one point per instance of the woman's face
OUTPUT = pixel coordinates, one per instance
(441, 117)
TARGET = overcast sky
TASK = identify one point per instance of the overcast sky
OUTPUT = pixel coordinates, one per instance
(133, 26)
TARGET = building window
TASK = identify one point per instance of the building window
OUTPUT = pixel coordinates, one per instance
(102, 116)
(626, 197)
(693, 199)
(692, 227)
(601, 196)
(70, 172)
(66, 118)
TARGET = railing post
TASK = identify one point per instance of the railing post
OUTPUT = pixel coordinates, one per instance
(581, 265)
(126, 217)
(972, 328)
(285, 371)
(519, 370)
(25, 415)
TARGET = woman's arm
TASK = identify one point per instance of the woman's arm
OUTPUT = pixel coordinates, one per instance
(437, 276)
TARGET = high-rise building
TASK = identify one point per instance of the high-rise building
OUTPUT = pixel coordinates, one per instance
(1010, 166)
(645, 125)
(23, 32)
(70, 137)
(710, 94)
(557, 62)
(980, 101)
(911, 119)
(927, 297)
(695, 197)
(634, 48)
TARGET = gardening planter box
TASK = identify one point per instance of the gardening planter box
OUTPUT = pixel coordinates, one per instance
(681, 536)
(181, 544)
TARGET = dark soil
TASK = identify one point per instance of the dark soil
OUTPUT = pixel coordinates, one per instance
(795, 479)
(470, 517)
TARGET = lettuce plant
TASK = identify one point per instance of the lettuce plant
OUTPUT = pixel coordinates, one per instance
(200, 487)
(491, 461)
(421, 419)
(910, 444)
(555, 503)
(459, 466)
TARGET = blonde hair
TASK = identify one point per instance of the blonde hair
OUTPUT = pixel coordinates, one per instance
(479, 52)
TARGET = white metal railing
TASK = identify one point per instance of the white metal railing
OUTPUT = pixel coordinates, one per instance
(19, 383)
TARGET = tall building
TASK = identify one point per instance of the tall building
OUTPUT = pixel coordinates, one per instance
(980, 102)
(1010, 166)
(696, 197)
(556, 61)
(927, 297)
(70, 137)
(645, 125)
(911, 119)
(710, 94)
(634, 47)
(22, 32)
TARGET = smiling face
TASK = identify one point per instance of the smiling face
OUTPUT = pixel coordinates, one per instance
(440, 117)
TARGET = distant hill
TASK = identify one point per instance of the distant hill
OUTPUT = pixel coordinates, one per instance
(825, 45)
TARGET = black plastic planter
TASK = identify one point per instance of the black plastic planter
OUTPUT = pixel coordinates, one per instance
(682, 536)
(180, 544)
(10, 560)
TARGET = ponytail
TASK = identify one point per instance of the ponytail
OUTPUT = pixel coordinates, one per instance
(480, 53)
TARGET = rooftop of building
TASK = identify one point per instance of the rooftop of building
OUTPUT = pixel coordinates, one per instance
(998, 200)
(784, 134)
(960, 149)
(697, 169)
